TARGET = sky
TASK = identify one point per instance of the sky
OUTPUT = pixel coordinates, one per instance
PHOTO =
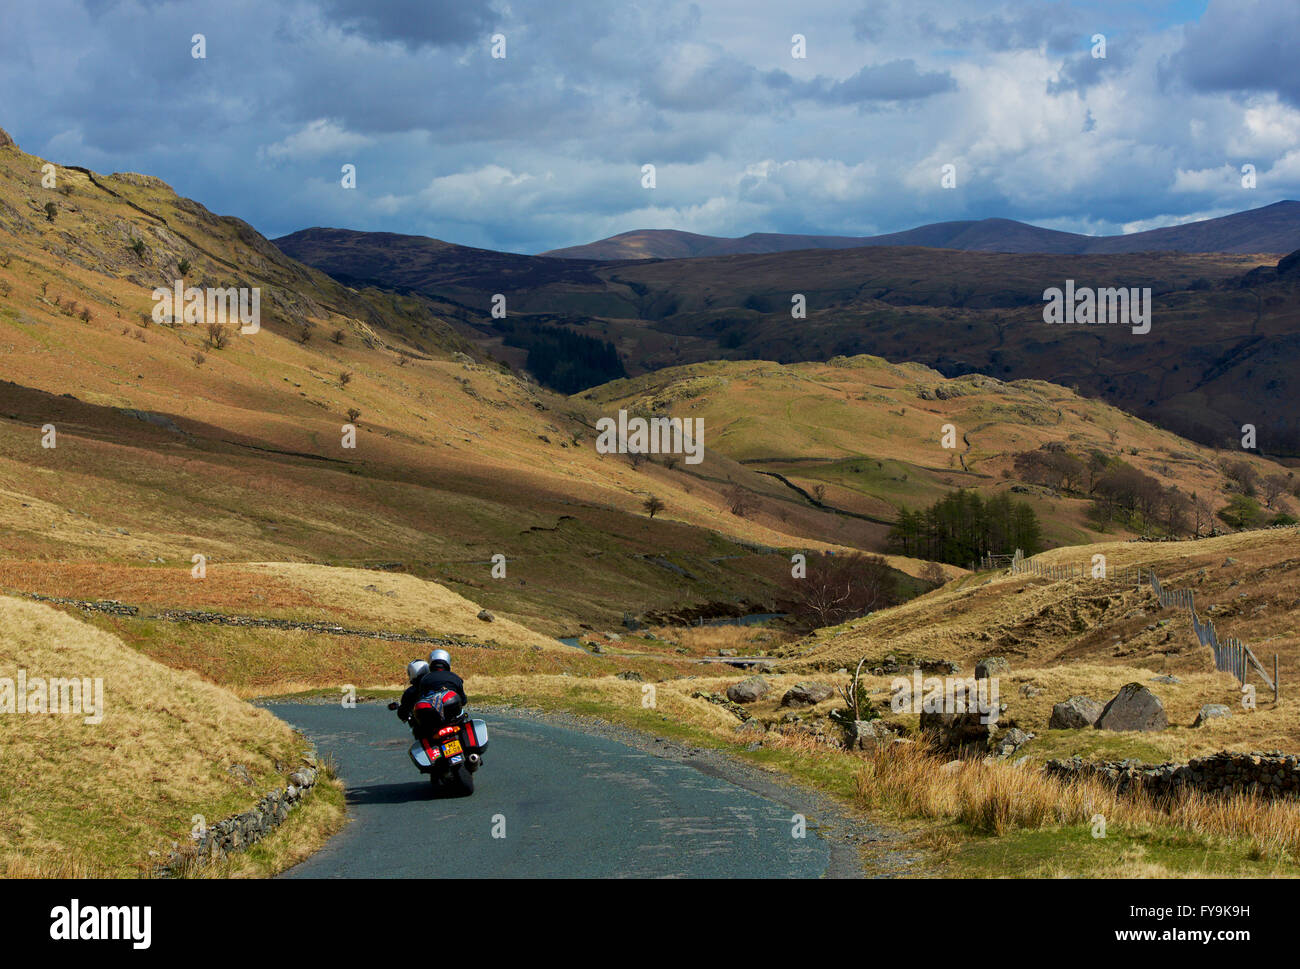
(545, 146)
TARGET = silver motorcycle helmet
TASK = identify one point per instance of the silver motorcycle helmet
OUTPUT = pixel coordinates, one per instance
(416, 669)
(440, 656)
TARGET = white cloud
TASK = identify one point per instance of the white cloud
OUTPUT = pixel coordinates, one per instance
(317, 138)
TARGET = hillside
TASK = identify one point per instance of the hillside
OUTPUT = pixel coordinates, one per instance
(169, 445)
(95, 798)
(1089, 637)
(1270, 228)
(1222, 325)
(869, 433)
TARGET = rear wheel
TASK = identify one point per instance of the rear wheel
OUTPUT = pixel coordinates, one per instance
(463, 778)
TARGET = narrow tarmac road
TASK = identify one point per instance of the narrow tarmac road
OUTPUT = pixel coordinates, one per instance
(570, 804)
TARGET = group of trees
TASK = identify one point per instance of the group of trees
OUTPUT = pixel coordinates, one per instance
(564, 360)
(961, 527)
(1121, 492)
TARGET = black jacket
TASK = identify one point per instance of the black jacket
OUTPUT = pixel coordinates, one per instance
(430, 682)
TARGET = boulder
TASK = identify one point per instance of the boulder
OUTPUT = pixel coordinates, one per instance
(991, 666)
(1011, 741)
(1075, 714)
(956, 731)
(485, 615)
(1134, 707)
(806, 694)
(863, 734)
(748, 690)
(1210, 711)
(938, 666)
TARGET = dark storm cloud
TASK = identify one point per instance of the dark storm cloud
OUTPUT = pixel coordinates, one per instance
(1247, 46)
(894, 81)
(413, 23)
(544, 148)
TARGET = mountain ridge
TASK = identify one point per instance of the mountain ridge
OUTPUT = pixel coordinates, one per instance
(1273, 228)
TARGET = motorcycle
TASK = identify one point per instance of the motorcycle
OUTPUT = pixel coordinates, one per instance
(448, 745)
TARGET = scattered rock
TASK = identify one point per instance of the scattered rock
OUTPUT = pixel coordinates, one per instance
(1211, 711)
(957, 731)
(863, 734)
(991, 666)
(1075, 714)
(1165, 679)
(748, 690)
(722, 701)
(485, 615)
(1029, 690)
(632, 675)
(1011, 741)
(1134, 707)
(806, 694)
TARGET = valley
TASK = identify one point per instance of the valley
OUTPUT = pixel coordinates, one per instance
(210, 516)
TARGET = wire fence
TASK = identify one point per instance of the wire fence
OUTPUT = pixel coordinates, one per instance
(1231, 655)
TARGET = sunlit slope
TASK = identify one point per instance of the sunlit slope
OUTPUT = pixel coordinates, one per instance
(166, 446)
(873, 433)
(80, 797)
(1246, 583)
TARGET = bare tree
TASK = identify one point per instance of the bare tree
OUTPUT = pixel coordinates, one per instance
(218, 336)
(345, 378)
(1274, 487)
(838, 588)
(1202, 514)
(652, 505)
(819, 492)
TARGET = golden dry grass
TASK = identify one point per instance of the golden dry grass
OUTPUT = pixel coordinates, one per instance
(79, 797)
(996, 798)
(400, 602)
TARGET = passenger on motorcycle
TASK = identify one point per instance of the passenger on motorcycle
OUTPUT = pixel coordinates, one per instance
(432, 686)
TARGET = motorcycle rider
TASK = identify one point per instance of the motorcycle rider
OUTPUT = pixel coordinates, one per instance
(437, 676)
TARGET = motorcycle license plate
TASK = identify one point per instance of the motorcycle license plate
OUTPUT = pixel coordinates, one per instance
(453, 747)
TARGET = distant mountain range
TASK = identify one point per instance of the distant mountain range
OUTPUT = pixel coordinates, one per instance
(1272, 229)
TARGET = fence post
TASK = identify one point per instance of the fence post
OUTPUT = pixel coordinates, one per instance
(1276, 684)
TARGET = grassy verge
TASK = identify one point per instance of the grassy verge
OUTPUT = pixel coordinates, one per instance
(976, 820)
(304, 832)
